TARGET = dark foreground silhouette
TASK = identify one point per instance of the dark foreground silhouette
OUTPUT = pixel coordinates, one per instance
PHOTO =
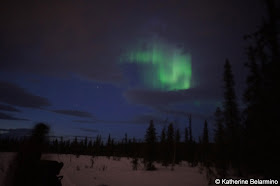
(28, 168)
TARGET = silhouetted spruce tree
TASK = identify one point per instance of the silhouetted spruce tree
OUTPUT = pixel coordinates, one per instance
(109, 146)
(90, 145)
(163, 147)
(218, 127)
(177, 146)
(67, 146)
(262, 96)
(109, 140)
(86, 142)
(186, 136)
(186, 144)
(178, 136)
(125, 138)
(170, 142)
(231, 117)
(125, 145)
(55, 145)
(163, 136)
(113, 146)
(205, 139)
(205, 144)
(74, 146)
(190, 128)
(191, 145)
(97, 145)
(150, 139)
(219, 151)
(85, 145)
(81, 146)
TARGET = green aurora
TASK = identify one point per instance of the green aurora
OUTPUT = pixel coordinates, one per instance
(165, 67)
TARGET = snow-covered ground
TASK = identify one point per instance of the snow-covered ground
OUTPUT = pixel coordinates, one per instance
(114, 172)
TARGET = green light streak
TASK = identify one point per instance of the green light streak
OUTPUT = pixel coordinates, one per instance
(168, 68)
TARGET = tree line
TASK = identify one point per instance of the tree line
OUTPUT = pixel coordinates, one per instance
(169, 148)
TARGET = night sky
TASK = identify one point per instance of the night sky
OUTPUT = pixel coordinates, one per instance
(74, 64)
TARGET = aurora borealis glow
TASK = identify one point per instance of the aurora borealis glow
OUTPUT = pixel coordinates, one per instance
(166, 67)
(123, 62)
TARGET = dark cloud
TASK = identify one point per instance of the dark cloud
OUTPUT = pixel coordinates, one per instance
(164, 116)
(84, 121)
(138, 119)
(15, 133)
(62, 38)
(9, 117)
(74, 113)
(8, 108)
(12, 94)
(161, 116)
(185, 114)
(103, 121)
(168, 103)
(160, 98)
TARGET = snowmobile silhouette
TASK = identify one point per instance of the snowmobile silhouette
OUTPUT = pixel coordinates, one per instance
(49, 171)
(30, 170)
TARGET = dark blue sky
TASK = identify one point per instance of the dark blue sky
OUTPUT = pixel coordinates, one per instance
(59, 63)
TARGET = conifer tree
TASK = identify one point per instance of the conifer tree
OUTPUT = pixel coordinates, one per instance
(125, 138)
(191, 145)
(61, 145)
(186, 145)
(231, 117)
(170, 142)
(262, 94)
(219, 128)
(162, 136)
(163, 147)
(150, 136)
(219, 136)
(177, 146)
(109, 146)
(109, 140)
(178, 136)
(205, 139)
(86, 141)
(205, 144)
(170, 134)
(186, 136)
(190, 128)
(150, 139)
